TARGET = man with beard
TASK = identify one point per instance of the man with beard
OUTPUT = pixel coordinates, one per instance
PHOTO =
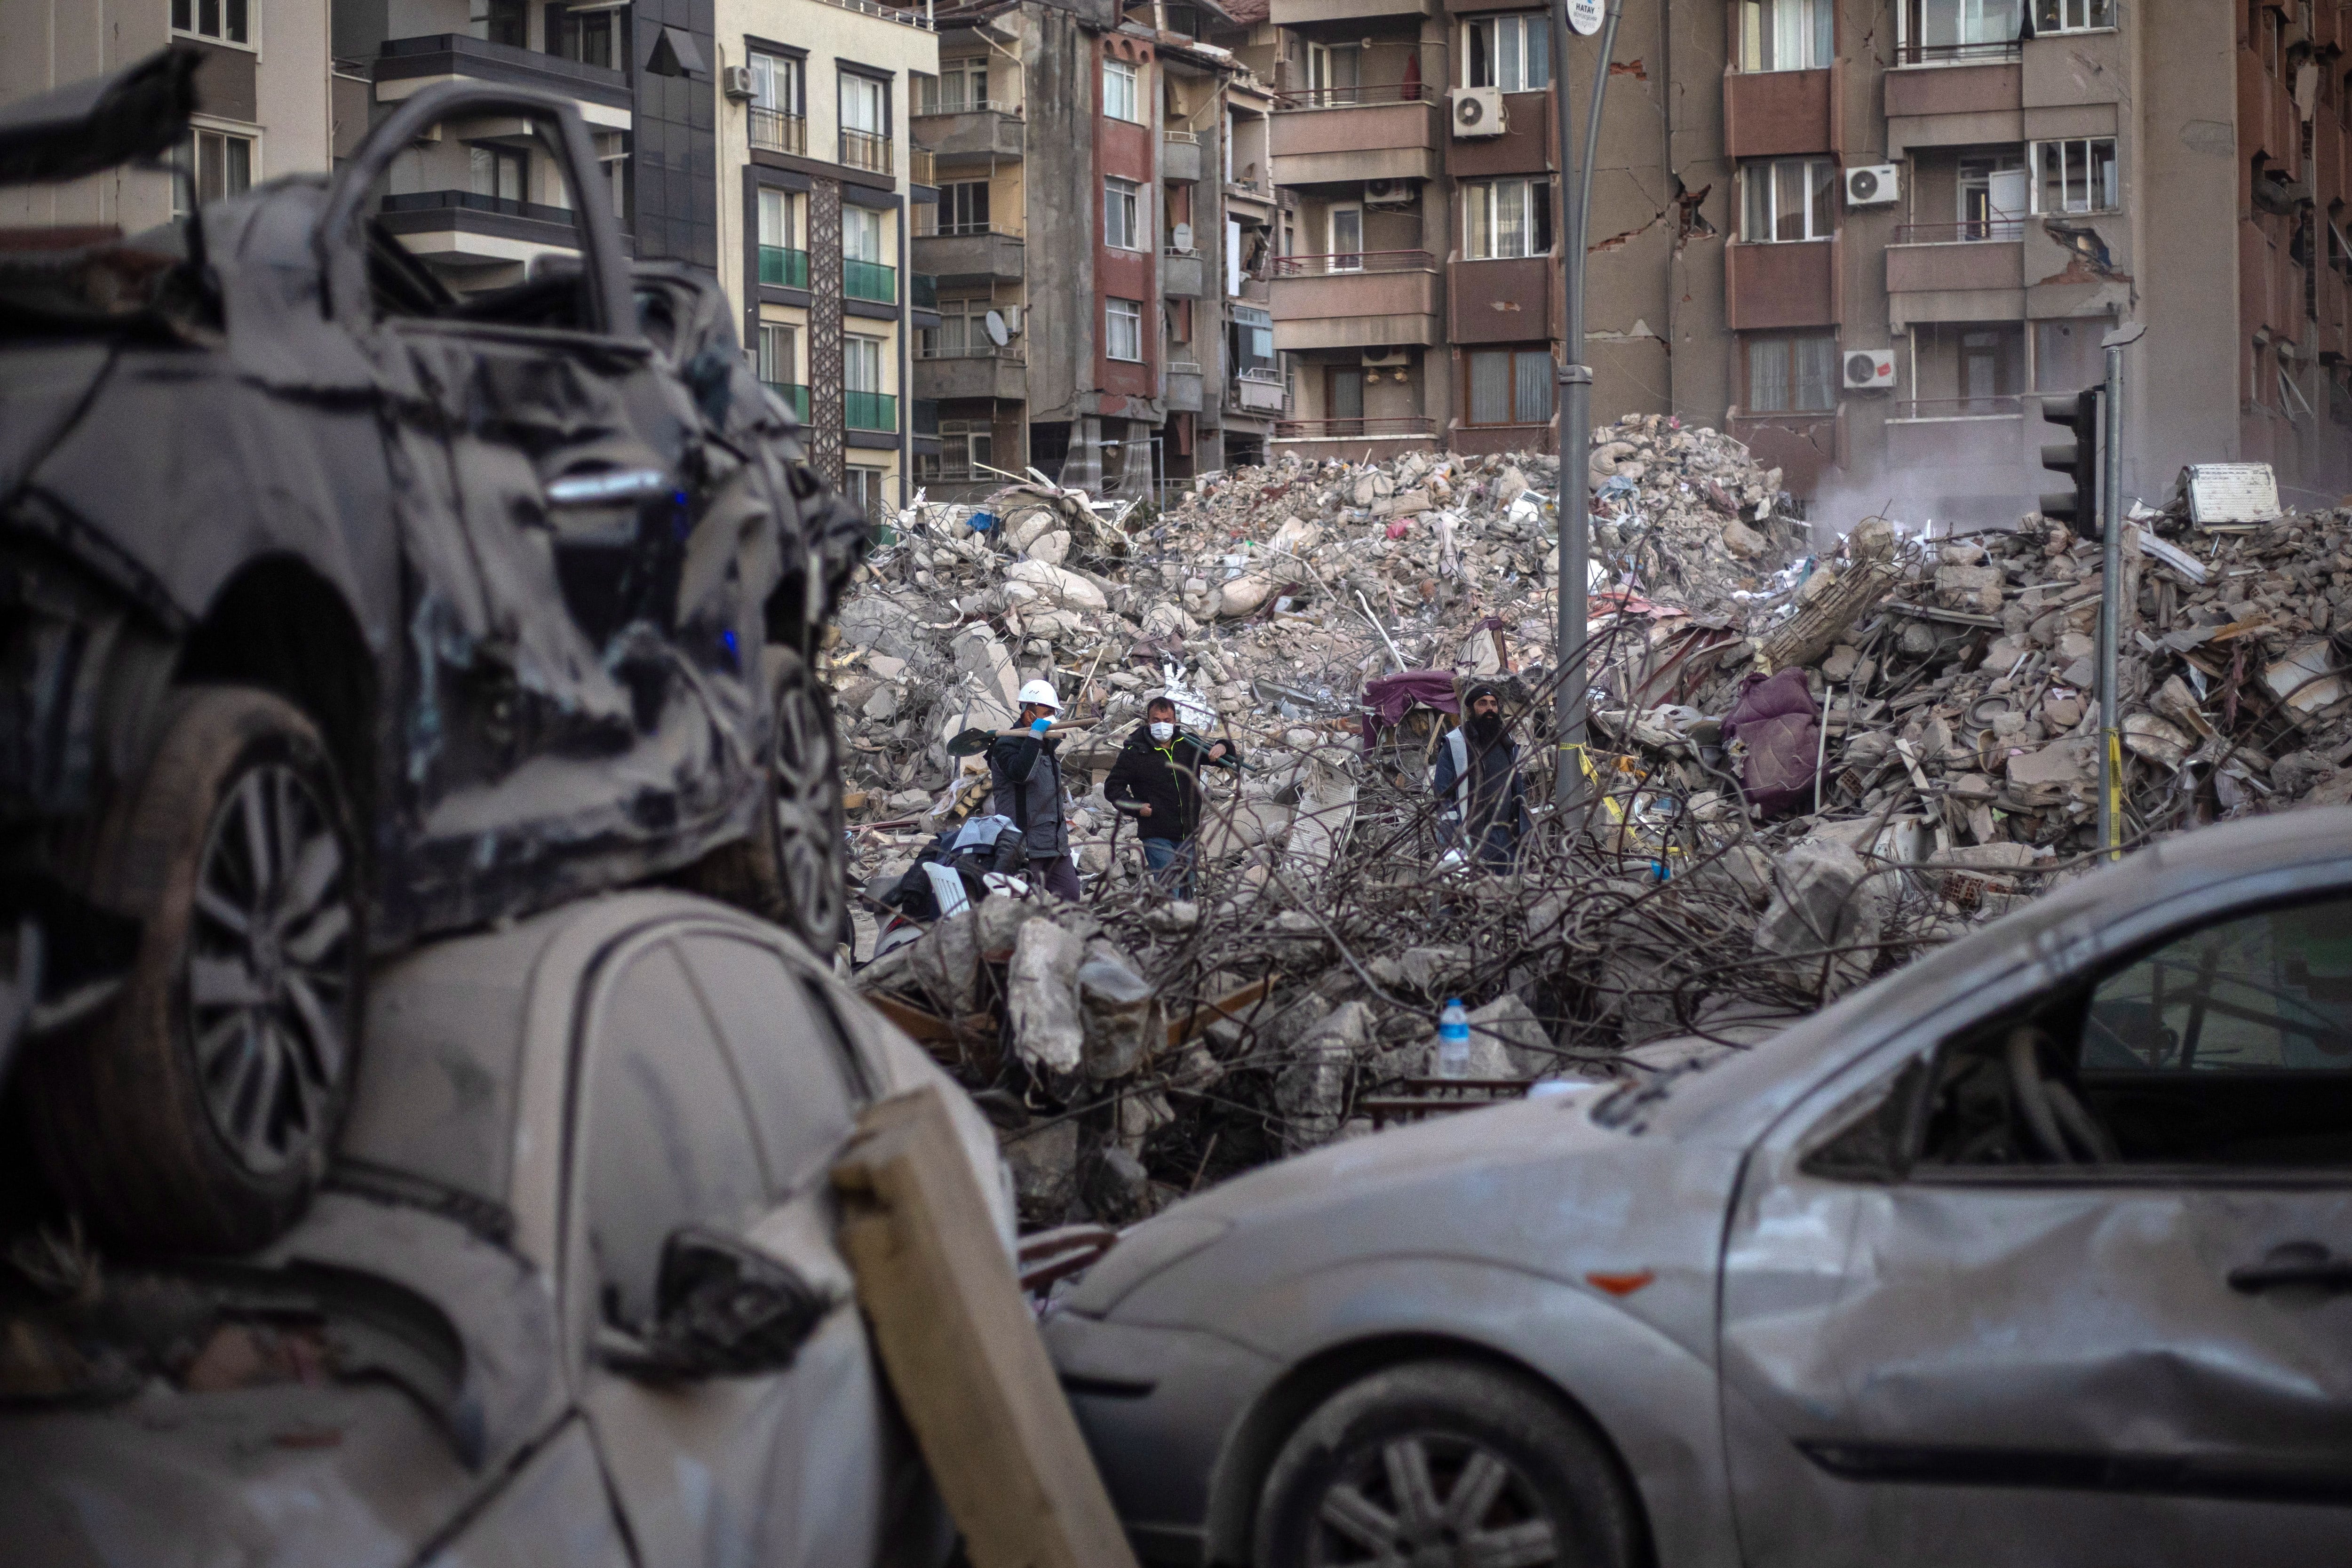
(1481, 811)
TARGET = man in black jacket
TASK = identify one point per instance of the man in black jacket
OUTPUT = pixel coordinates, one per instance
(1159, 774)
(1024, 774)
(1482, 810)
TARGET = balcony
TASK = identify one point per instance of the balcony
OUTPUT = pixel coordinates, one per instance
(1771, 286)
(782, 268)
(1990, 52)
(459, 229)
(1259, 392)
(986, 372)
(1351, 134)
(984, 132)
(1184, 388)
(1306, 13)
(794, 396)
(922, 166)
(1374, 299)
(773, 130)
(869, 281)
(869, 411)
(1180, 274)
(1771, 114)
(985, 257)
(1509, 300)
(1179, 157)
(407, 66)
(1973, 99)
(867, 149)
(1956, 272)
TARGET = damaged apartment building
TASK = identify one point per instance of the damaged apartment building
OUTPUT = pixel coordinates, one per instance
(1104, 211)
(1862, 237)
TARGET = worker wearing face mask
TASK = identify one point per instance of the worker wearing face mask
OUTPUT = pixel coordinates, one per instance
(1024, 775)
(1157, 781)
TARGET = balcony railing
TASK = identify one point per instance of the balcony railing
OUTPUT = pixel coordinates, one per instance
(1348, 97)
(1353, 261)
(870, 281)
(773, 130)
(1341, 429)
(1193, 137)
(866, 149)
(1182, 367)
(781, 267)
(474, 201)
(922, 166)
(1924, 409)
(1994, 229)
(796, 396)
(965, 106)
(870, 410)
(1959, 54)
(950, 229)
(922, 290)
(981, 350)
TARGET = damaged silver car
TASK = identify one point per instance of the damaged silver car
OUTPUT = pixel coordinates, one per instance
(572, 1295)
(2038, 1252)
(339, 606)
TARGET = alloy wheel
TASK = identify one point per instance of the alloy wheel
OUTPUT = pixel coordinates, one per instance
(1430, 1500)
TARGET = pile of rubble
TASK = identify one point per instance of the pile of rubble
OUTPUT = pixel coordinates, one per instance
(1803, 769)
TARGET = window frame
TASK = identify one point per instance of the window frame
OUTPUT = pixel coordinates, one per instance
(1534, 221)
(883, 254)
(961, 197)
(1811, 206)
(766, 75)
(1123, 213)
(1337, 258)
(1491, 28)
(189, 155)
(251, 43)
(2087, 145)
(2087, 7)
(1753, 30)
(1113, 314)
(1129, 78)
(1795, 382)
(866, 342)
(1518, 356)
(765, 355)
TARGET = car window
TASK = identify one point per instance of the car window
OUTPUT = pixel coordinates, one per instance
(798, 1074)
(2268, 992)
(668, 1143)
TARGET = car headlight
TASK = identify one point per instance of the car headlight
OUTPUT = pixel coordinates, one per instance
(1150, 1248)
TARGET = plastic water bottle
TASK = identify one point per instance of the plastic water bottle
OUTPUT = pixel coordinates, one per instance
(1454, 1040)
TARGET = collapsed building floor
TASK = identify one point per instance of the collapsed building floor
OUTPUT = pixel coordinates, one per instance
(1803, 769)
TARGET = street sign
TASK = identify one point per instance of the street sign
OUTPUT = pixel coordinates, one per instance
(1584, 15)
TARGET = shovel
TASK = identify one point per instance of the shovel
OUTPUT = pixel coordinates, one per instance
(972, 742)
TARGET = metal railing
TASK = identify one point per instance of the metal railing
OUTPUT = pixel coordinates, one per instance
(796, 395)
(866, 149)
(474, 201)
(1995, 229)
(951, 230)
(922, 165)
(1341, 429)
(1352, 261)
(773, 130)
(888, 13)
(923, 290)
(869, 281)
(965, 106)
(1351, 97)
(781, 267)
(1182, 367)
(870, 410)
(1922, 410)
(1957, 54)
(1010, 353)
(1190, 137)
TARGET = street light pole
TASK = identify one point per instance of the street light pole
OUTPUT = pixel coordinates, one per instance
(1575, 400)
(2111, 592)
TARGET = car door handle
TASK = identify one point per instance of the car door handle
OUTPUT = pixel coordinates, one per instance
(2305, 1263)
(607, 486)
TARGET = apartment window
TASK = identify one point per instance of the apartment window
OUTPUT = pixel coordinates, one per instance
(861, 234)
(863, 487)
(1786, 35)
(865, 122)
(1991, 368)
(1334, 72)
(1936, 31)
(222, 164)
(1346, 241)
(225, 20)
(1792, 374)
(967, 449)
(962, 329)
(1122, 220)
(784, 260)
(1120, 99)
(1123, 329)
(502, 174)
(1513, 53)
(779, 357)
(1343, 401)
(960, 86)
(863, 404)
(2076, 175)
(1506, 219)
(777, 84)
(2072, 15)
(1510, 386)
(591, 38)
(776, 220)
(1253, 339)
(1787, 199)
(963, 207)
(1993, 198)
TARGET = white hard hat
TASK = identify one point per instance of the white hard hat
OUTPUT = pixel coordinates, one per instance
(1040, 692)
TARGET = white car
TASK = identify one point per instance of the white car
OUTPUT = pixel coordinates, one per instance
(570, 1296)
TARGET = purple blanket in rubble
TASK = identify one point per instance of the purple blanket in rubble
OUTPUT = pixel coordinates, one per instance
(1774, 717)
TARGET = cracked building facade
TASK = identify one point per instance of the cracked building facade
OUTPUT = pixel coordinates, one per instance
(1863, 237)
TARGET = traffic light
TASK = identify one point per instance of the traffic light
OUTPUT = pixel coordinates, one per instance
(2078, 459)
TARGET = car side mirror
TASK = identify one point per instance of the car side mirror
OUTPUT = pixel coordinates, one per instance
(721, 1309)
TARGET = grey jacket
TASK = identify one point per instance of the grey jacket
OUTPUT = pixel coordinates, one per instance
(1025, 776)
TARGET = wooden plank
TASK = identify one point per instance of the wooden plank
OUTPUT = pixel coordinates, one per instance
(918, 1024)
(961, 1348)
(1183, 1029)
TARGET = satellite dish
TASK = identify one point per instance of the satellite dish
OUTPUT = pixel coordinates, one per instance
(996, 333)
(1183, 237)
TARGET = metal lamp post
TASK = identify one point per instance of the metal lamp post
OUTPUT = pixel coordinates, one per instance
(1575, 401)
(2111, 590)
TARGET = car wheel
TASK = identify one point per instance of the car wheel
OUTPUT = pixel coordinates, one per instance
(1442, 1463)
(793, 868)
(197, 1110)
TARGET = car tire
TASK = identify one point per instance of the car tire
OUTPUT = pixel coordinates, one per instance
(1443, 1460)
(196, 1111)
(794, 866)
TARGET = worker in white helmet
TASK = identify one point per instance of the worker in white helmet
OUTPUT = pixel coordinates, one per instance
(1024, 772)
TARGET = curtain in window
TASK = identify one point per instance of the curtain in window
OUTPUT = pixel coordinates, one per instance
(861, 364)
(1816, 367)
(1533, 391)
(1490, 386)
(861, 105)
(776, 219)
(1768, 375)
(861, 234)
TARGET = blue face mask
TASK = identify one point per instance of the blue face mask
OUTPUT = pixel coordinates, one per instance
(1163, 733)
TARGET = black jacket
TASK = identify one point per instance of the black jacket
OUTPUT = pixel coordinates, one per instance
(1024, 778)
(1165, 778)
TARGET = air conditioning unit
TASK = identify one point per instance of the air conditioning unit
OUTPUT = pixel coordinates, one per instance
(1386, 359)
(1872, 185)
(1869, 368)
(1388, 192)
(1478, 112)
(736, 81)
